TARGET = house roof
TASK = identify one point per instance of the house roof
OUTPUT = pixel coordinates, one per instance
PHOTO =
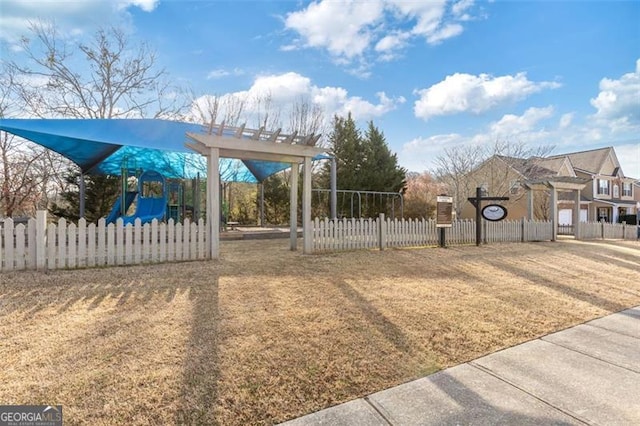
(590, 161)
(530, 168)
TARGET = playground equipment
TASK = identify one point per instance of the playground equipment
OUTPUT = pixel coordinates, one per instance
(150, 199)
(351, 203)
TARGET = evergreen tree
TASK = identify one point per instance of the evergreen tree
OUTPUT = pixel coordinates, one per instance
(276, 200)
(381, 171)
(101, 192)
(345, 145)
(363, 163)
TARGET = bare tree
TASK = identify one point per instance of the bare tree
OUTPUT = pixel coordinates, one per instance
(307, 118)
(111, 79)
(452, 168)
(501, 167)
(266, 112)
(21, 178)
(209, 109)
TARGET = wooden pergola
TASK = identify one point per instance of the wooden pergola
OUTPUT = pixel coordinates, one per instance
(555, 185)
(249, 144)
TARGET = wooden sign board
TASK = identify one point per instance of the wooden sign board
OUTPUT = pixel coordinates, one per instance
(444, 212)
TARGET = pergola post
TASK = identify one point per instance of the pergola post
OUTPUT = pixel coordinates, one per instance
(213, 202)
(83, 188)
(553, 201)
(307, 235)
(530, 211)
(293, 210)
(334, 189)
(576, 215)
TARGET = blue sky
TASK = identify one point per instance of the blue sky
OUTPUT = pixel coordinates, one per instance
(430, 74)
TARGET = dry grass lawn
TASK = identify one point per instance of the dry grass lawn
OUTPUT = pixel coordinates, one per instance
(265, 334)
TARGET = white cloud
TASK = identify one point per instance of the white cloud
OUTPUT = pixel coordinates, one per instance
(344, 28)
(618, 103)
(392, 42)
(218, 73)
(629, 157)
(428, 15)
(566, 120)
(418, 154)
(470, 93)
(376, 29)
(221, 73)
(511, 125)
(446, 32)
(460, 7)
(146, 5)
(71, 17)
(283, 90)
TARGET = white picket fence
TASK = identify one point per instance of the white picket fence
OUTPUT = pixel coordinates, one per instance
(39, 245)
(604, 230)
(350, 234)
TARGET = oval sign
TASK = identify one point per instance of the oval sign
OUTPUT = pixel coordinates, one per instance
(494, 212)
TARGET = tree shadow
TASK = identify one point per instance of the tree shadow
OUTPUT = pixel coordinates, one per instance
(584, 296)
(201, 366)
(374, 317)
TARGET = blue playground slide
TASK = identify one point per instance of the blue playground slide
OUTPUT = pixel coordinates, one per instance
(152, 207)
(116, 210)
(147, 208)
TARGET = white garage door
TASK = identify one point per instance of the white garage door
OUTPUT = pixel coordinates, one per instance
(565, 217)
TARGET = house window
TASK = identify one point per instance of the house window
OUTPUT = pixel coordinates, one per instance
(626, 189)
(616, 191)
(603, 187)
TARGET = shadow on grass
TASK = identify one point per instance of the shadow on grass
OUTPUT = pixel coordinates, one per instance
(201, 368)
(584, 296)
(31, 292)
(374, 317)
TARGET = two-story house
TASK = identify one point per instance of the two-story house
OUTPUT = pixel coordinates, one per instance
(607, 194)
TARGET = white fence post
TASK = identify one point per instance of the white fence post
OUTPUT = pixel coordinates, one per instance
(382, 232)
(41, 239)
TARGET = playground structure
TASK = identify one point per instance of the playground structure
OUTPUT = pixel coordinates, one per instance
(153, 195)
(99, 146)
(150, 197)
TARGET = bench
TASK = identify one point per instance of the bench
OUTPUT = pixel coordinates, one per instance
(233, 225)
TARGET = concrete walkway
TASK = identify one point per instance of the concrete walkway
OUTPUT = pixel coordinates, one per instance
(588, 374)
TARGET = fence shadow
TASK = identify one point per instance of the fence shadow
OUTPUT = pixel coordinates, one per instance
(30, 292)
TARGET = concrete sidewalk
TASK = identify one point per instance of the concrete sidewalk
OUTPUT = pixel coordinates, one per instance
(588, 374)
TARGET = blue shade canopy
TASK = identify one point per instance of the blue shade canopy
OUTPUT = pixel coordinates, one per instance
(105, 146)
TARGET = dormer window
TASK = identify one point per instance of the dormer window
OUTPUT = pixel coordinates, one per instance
(626, 189)
(616, 191)
(603, 187)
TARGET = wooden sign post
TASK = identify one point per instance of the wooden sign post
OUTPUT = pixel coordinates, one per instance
(444, 216)
(496, 215)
